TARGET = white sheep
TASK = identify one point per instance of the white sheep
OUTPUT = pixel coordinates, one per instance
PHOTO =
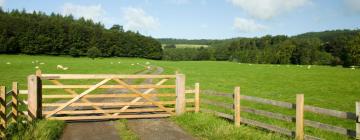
(147, 63)
(59, 67)
(119, 62)
(32, 62)
(309, 67)
(65, 68)
(42, 63)
(37, 67)
(8, 63)
(132, 64)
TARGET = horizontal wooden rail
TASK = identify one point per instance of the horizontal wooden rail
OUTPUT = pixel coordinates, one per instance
(77, 112)
(268, 101)
(327, 127)
(268, 127)
(268, 114)
(211, 93)
(105, 86)
(115, 103)
(216, 113)
(110, 95)
(334, 113)
(109, 117)
(23, 91)
(218, 104)
(102, 76)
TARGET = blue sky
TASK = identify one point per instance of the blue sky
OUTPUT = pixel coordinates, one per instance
(207, 19)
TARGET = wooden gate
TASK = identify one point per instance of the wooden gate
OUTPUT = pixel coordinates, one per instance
(88, 102)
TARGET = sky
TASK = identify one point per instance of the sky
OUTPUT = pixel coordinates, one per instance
(206, 19)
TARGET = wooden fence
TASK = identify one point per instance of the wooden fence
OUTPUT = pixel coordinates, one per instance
(107, 110)
(299, 120)
(10, 110)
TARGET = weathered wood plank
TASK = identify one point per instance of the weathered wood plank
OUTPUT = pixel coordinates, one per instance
(77, 112)
(327, 127)
(78, 97)
(15, 103)
(34, 97)
(189, 91)
(218, 104)
(144, 94)
(105, 86)
(237, 106)
(197, 97)
(110, 104)
(2, 110)
(334, 113)
(267, 126)
(268, 101)
(110, 117)
(212, 93)
(110, 95)
(216, 113)
(121, 82)
(102, 76)
(299, 133)
(268, 114)
(180, 94)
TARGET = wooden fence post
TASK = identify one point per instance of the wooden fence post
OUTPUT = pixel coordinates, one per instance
(197, 97)
(180, 94)
(357, 120)
(14, 103)
(237, 106)
(34, 97)
(299, 117)
(3, 110)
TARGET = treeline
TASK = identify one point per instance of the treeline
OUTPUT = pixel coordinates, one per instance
(38, 33)
(340, 47)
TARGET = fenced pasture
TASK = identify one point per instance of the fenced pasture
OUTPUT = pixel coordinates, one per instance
(333, 88)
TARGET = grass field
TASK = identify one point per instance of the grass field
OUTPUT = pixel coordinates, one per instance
(323, 86)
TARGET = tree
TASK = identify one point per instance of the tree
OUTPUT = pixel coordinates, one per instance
(93, 52)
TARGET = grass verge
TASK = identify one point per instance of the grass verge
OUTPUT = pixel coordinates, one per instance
(124, 131)
(206, 126)
(39, 130)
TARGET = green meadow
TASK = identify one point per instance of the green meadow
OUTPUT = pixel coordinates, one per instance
(323, 86)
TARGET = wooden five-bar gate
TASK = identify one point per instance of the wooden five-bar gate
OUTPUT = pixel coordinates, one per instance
(47, 98)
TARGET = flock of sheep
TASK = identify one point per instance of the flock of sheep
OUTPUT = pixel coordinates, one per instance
(61, 67)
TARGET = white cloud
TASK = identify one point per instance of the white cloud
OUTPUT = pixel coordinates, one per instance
(247, 25)
(353, 5)
(93, 12)
(137, 19)
(2, 2)
(266, 9)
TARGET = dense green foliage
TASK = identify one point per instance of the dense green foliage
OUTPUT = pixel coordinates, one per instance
(339, 47)
(38, 33)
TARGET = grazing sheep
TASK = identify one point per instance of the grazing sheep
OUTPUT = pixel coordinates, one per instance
(42, 63)
(353, 68)
(309, 67)
(119, 62)
(132, 64)
(37, 67)
(32, 62)
(147, 63)
(59, 67)
(65, 68)
(8, 63)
